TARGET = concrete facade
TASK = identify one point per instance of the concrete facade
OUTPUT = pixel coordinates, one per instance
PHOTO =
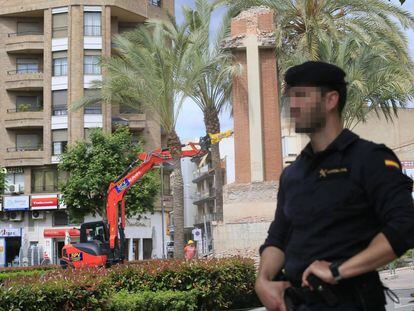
(43, 70)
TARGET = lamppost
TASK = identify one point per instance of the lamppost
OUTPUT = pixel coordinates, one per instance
(162, 211)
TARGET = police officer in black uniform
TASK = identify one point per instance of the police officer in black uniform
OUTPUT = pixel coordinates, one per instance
(344, 206)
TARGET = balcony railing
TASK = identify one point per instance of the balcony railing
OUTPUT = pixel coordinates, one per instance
(25, 33)
(25, 148)
(25, 109)
(24, 70)
(60, 111)
(45, 188)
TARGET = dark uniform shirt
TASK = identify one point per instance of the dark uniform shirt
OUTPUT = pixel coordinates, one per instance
(331, 204)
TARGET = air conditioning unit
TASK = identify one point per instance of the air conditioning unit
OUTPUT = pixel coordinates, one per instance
(15, 188)
(38, 215)
(15, 216)
(4, 216)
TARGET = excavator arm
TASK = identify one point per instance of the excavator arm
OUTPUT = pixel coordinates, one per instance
(118, 188)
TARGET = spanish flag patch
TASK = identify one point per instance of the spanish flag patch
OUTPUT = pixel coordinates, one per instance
(391, 163)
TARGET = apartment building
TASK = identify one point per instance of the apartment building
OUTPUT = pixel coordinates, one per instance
(49, 56)
(205, 200)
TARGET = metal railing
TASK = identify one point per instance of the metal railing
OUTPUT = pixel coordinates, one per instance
(24, 71)
(92, 30)
(25, 148)
(93, 110)
(44, 188)
(25, 109)
(25, 33)
(60, 111)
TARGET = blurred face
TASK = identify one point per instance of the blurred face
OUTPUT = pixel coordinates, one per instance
(307, 108)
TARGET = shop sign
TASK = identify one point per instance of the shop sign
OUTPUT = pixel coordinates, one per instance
(10, 232)
(14, 170)
(44, 202)
(16, 203)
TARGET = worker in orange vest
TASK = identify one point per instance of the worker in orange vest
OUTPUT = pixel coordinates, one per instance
(190, 250)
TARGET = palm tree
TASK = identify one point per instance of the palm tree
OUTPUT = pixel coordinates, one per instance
(150, 71)
(307, 29)
(211, 74)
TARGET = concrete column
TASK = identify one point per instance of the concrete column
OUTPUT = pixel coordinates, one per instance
(141, 249)
(106, 52)
(131, 249)
(47, 86)
(255, 108)
(75, 78)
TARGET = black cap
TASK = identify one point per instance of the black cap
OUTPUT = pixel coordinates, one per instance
(315, 74)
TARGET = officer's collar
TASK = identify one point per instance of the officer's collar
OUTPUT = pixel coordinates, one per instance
(343, 140)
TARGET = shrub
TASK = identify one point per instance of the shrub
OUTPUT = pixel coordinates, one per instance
(154, 301)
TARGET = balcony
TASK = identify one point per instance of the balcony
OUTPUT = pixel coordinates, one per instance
(208, 218)
(24, 80)
(17, 156)
(204, 196)
(202, 174)
(133, 121)
(29, 117)
(26, 42)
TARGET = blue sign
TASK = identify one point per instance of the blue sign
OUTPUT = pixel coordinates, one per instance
(122, 186)
(16, 203)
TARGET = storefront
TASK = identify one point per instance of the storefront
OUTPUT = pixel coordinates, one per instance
(56, 238)
(10, 243)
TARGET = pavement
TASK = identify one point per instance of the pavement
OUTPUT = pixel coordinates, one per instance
(401, 282)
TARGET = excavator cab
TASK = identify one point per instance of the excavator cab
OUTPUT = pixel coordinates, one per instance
(93, 248)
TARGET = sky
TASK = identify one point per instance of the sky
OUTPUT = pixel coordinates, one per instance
(190, 124)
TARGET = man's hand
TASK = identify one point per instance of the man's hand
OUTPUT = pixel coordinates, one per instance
(319, 268)
(271, 294)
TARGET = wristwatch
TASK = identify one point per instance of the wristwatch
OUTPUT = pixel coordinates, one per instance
(334, 267)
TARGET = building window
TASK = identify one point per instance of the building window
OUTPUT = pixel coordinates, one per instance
(14, 182)
(59, 141)
(92, 24)
(27, 65)
(29, 142)
(91, 64)
(60, 103)
(155, 3)
(44, 180)
(60, 25)
(60, 218)
(29, 28)
(60, 64)
(29, 103)
(95, 108)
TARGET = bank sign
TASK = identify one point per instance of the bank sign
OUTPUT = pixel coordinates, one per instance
(44, 202)
(16, 203)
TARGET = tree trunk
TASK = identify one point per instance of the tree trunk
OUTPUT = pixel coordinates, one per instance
(212, 123)
(177, 187)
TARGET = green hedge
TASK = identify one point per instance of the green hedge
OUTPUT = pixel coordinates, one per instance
(209, 284)
(154, 301)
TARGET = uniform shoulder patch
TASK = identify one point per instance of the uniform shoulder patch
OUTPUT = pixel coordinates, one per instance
(392, 163)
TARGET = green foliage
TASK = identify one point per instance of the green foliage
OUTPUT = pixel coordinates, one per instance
(154, 301)
(366, 38)
(2, 179)
(217, 284)
(93, 165)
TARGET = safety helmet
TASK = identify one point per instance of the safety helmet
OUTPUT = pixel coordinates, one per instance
(190, 242)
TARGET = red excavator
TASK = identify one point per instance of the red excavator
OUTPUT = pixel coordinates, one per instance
(102, 243)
